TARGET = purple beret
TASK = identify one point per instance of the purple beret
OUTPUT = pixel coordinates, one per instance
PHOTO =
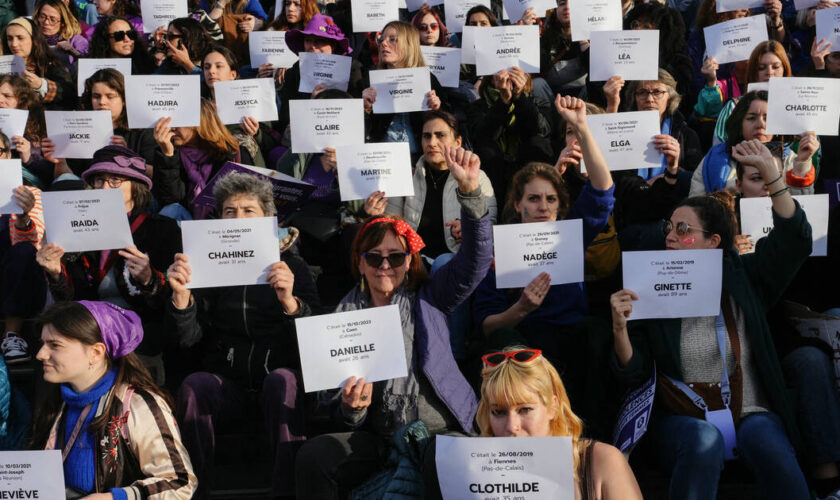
(121, 329)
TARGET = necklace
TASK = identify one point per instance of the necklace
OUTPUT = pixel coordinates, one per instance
(437, 176)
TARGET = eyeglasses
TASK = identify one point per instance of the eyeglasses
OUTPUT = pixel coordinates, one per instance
(392, 40)
(45, 19)
(114, 182)
(428, 27)
(683, 229)
(644, 93)
(4, 150)
(171, 37)
(375, 260)
(119, 36)
(522, 356)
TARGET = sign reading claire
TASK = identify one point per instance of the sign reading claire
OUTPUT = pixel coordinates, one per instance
(504, 467)
(323, 123)
(523, 251)
(31, 474)
(86, 220)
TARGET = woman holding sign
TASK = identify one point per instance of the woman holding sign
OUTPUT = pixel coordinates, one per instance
(61, 30)
(755, 415)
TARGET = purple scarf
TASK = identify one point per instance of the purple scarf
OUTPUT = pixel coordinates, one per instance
(198, 167)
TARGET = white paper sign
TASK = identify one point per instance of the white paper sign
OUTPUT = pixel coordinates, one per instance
(365, 168)
(828, 26)
(401, 90)
(633, 55)
(414, 5)
(79, 134)
(805, 4)
(626, 139)
(12, 65)
(86, 220)
(330, 70)
(587, 16)
(730, 5)
(516, 8)
(468, 44)
(364, 343)
(270, 47)
(523, 251)
(13, 122)
(157, 13)
(230, 252)
(456, 12)
(444, 63)
(732, 41)
(254, 97)
(320, 123)
(503, 47)
(11, 176)
(373, 15)
(799, 105)
(481, 468)
(757, 219)
(756, 86)
(88, 66)
(153, 97)
(674, 283)
(32, 474)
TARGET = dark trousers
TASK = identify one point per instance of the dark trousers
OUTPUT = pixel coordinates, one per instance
(206, 400)
(24, 286)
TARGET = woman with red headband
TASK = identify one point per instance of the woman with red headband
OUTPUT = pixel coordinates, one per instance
(386, 257)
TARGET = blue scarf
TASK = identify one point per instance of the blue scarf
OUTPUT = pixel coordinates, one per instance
(716, 168)
(649, 173)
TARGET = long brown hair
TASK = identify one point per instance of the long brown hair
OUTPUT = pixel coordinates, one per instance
(767, 47)
(370, 236)
(113, 79)
(213, 137)
(308, 8)
(27, 99)
(69, 25)
(40, 56)
(528, 173)
(707, 15)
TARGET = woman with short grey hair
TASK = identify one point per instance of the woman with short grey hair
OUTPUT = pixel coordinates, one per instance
(242, 184)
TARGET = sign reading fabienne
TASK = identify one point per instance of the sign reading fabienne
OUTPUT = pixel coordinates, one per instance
(87, 220)
(525, 250)
(36, 474)
(270, 47)
(674, 283)
(757, 219)
(153, 97)
(798, 105)
(732, 41)
(626, 139)
(365, 168)
(505, 467)
(322, 123)
(364, 343)
(230, 252)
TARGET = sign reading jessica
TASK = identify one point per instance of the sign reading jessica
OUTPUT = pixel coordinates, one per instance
(525, 250)
(444, 63)
(626, 139)
(365, 168)
(321, 123)
(12, 65)
(828, 25)
(36, 474)
(364, 343)
(13, 122)
(674, 283)
(504, 467)
(798, 105)
(632, 55)
(270, 47)
(504, 47)
(757, 219)
(330, 70)
(89, 66)
(230, 252)
(87, 220)
(456, 12)
(79, 134)
(401, 90)
(153, 97)
(732, 41)
(11, 176)
(373, 15)
(157, 13)
(587, 16)
(254, 97)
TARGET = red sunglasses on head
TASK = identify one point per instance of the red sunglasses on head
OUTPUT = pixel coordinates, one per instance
(521, 356)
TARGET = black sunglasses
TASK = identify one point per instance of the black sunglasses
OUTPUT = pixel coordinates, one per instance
(171, 37)
(394, 260)
(119, 36)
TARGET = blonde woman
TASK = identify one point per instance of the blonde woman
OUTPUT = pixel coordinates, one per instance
(60, 29)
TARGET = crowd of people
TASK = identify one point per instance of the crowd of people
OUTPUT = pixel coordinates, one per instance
(141, 372)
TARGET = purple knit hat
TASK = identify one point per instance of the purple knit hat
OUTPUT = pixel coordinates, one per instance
(121, 329)
(321, 26)
(118, 160)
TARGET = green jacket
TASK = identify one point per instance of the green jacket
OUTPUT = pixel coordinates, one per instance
(755, 282)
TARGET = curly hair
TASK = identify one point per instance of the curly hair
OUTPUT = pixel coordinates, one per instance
(100, 45)
(27, 99)
(196, 39)
(240, 183)
(308, 9)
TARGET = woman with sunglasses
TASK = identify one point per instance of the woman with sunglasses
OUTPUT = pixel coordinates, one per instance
(185, 43)
(432, 30)
(522, 396)
(115, 37)
(61, 30)
(386, 257)
(691, 352)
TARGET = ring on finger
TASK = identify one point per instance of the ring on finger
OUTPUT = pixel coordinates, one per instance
(364, 397)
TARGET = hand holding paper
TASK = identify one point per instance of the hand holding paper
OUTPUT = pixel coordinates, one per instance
(178, 274)
(139, 266)
(533, 295)
(808, 145)
(621, 304)
(356, 394)
(282, 279)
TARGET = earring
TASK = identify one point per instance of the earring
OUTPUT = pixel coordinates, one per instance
(362, 285)
(90, 364)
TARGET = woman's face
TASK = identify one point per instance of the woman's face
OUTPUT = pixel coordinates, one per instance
(217, 69)
(8, 98)
(109, 181)
(695, 238)
(65, 360)
(769, 65)
(390, 48)
(652, 95)
(124, 47)
(175, 37)
(832, 64)
(242, 206)
(103, 97)
(20, 43)
(294, 13)
(531, 418)
(755, 122)
(385, 279)
(429, 30)
(183, 136)
(49, 20)
(562, 12)
(437, 134)
(317, 45)
(539, 202)
(479, 19)
(104, 7)
(752, 184)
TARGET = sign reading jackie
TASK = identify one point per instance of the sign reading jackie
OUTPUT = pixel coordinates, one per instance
(365, 168)
(270, 47)
(456, 12)
(36, 474)
(230, 252)
(587, 16)
(626, 139)
(321, 123)
(757, 219)
(503, 47)
(732, 41)
(632, 55)
(401, 90)
(330, 70)
(523, 251)
(505, 467)
(798, 105)
(157, 96)
(79, 134)
(674, 283)
(444, 63)
(157, 13)
(254, 97)
(373, 15)
(87, 66)
(364, 343)
(11, 176)
(86, 220)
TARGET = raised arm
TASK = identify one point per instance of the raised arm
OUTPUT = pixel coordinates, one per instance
(573, 110)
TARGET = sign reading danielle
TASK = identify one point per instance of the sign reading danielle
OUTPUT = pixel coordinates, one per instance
(322, 123)
(152, 97)
(36, 474)
(523, 251)
(87, 220)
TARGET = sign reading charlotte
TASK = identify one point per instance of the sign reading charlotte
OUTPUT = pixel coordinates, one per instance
(523, 251)
(36, 474)
(87, 220)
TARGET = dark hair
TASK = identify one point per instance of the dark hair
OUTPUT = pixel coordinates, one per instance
(734, 124)
(528, 173)
(669, 22)
(140, 195)
(308, 9)
(333, 94)
(447, 117)
(373, 235)
(715, 216)
(228, 54)
(4, 141)
(41, 57)
(196, 39)
(481, 9)
(707, 15)
(100, 46)
(443, 40)
(27, 99)
(125, 8)
(73, 320)
(113, 79)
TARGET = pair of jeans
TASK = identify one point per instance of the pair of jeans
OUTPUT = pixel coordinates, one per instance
(692, 450)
